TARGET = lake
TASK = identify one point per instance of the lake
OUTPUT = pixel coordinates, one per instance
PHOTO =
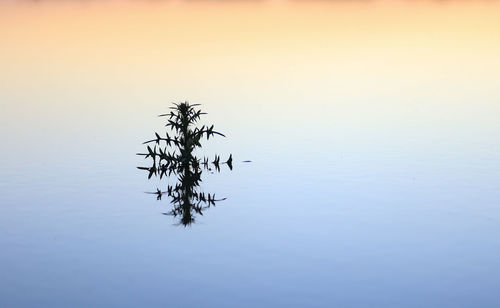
(371, 126)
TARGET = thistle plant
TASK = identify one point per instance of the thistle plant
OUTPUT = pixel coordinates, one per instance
(173, 154)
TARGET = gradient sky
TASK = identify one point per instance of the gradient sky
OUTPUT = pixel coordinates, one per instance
(402, 66)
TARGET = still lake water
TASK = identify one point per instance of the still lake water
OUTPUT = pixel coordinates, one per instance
(372, 127)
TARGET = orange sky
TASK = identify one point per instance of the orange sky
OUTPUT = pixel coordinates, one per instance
(285, 51)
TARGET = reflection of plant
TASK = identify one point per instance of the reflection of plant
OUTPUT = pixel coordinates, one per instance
(177, 157)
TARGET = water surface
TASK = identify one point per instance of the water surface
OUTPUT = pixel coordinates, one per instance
(372, 127)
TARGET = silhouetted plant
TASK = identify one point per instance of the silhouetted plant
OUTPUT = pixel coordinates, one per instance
(174, 154)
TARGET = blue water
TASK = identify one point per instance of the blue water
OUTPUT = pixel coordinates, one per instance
(305, 224)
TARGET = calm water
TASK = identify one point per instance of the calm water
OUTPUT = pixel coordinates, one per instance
(372, 127)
